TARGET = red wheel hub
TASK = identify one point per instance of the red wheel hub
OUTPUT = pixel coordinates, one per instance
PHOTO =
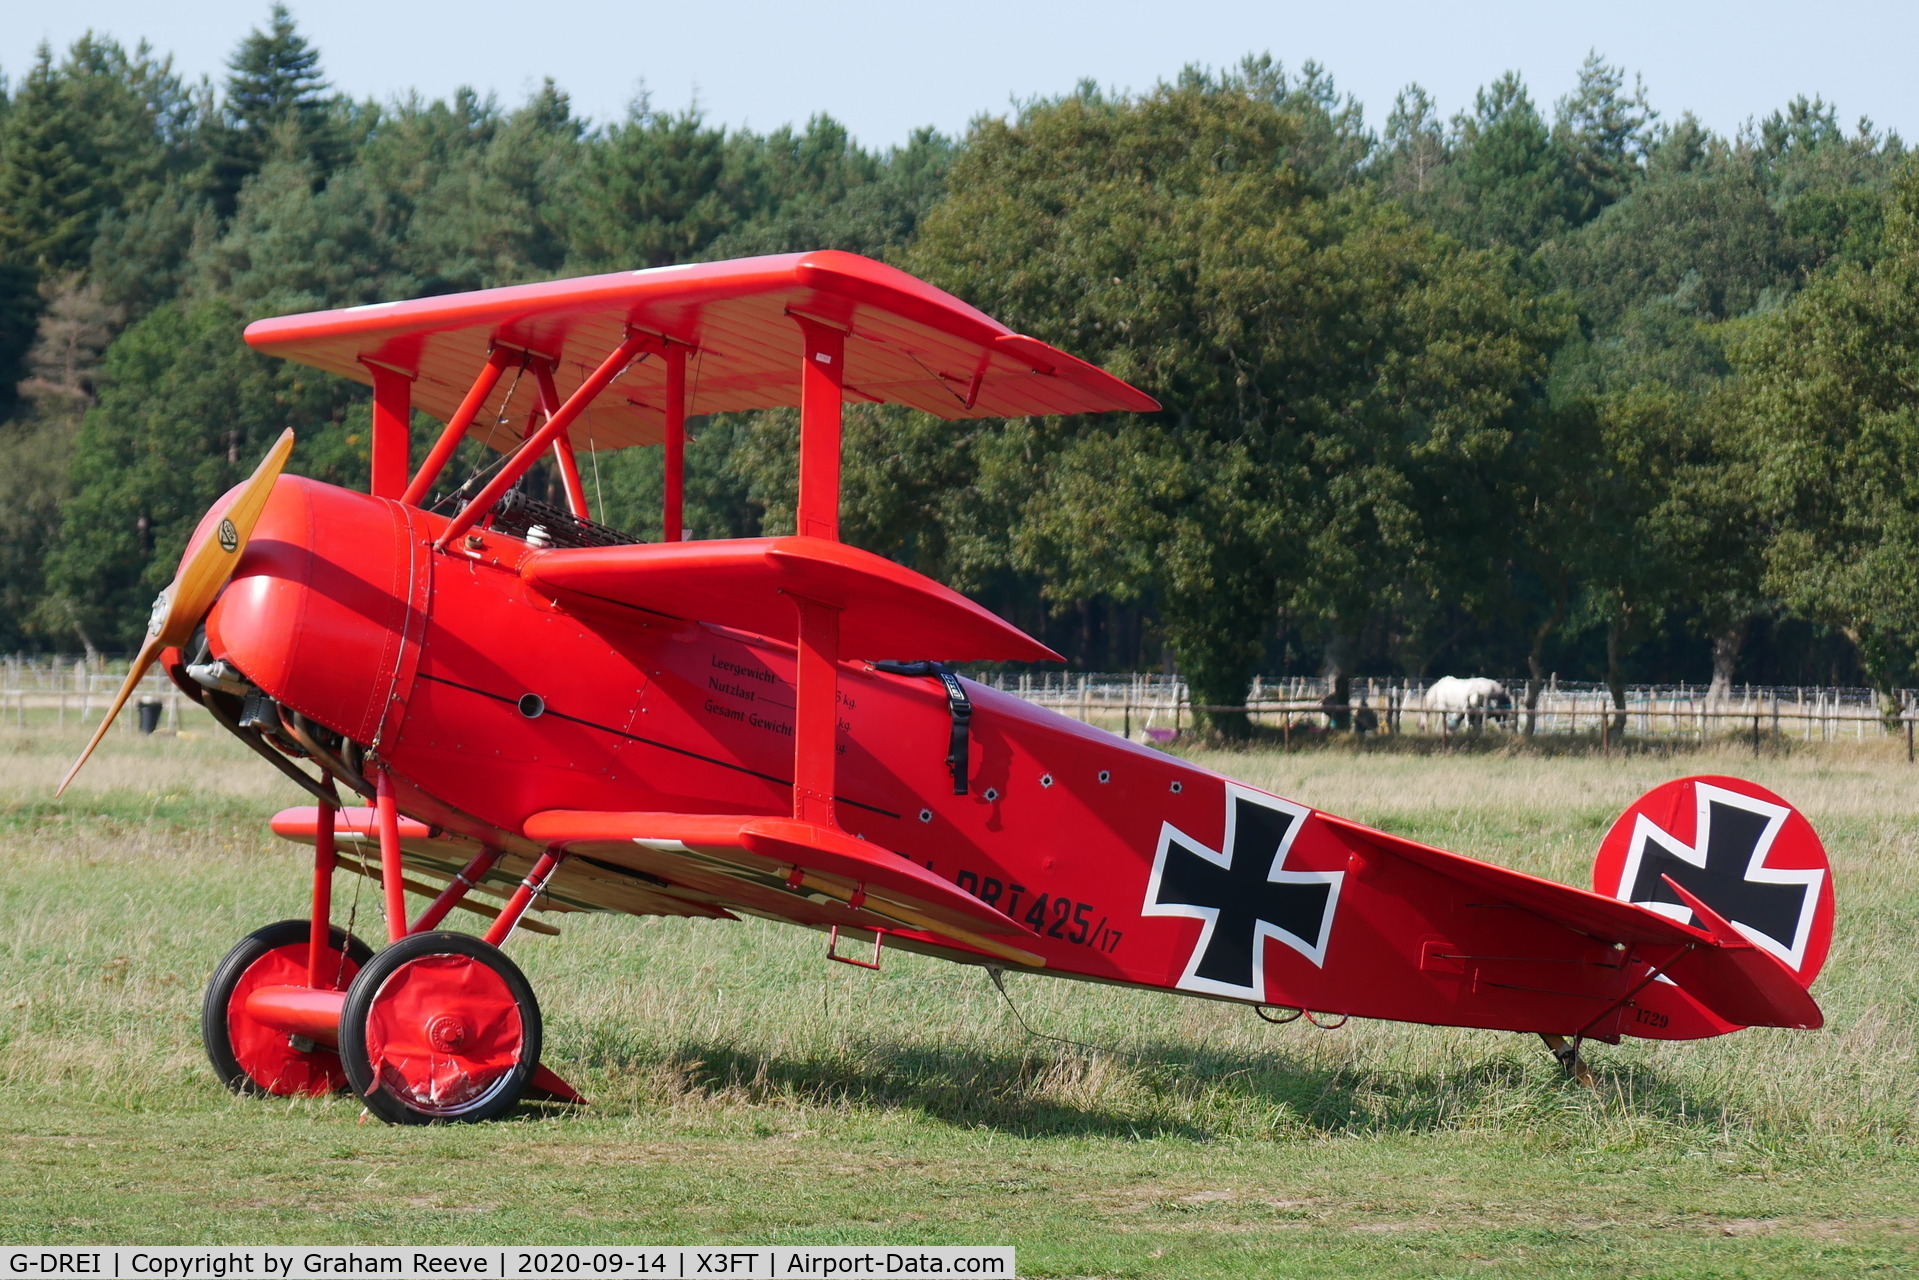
(442, 1031)
(266, 1053)
(447, 1032)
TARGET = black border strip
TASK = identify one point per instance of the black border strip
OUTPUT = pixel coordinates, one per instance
(649, 742)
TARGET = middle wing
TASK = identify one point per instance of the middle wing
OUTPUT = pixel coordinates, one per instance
(885, 609)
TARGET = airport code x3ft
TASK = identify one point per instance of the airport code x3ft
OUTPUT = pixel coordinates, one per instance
(608, 1262)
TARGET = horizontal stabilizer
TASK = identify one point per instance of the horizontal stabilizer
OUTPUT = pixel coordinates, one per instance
(1607, 919)
(1738, 981)
(788, 848)
(886, 609)
(1719, 967)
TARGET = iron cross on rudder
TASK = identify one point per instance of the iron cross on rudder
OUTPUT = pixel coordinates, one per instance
(1725, 865)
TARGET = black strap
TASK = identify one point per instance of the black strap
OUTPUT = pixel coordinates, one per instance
(957, 704)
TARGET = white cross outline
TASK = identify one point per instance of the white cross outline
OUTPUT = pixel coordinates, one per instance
(1705, 795)
(1314, 950)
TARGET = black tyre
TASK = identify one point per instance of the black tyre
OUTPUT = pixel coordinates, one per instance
(250, 1057)
(440, 1028)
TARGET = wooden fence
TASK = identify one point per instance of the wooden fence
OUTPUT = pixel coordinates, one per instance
(41, 693)
(36, 692)
(1159, 708)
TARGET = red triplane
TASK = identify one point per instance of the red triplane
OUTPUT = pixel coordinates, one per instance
(545, 713)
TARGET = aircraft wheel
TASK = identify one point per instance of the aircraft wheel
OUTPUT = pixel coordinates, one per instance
(249, 1056)
(440, 1028)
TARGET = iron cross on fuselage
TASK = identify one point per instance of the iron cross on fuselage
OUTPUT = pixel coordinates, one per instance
(1243, 894)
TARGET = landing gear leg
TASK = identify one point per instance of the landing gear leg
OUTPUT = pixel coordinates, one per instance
(1567, 1052)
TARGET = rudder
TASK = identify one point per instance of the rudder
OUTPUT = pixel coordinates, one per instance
(1741, 851)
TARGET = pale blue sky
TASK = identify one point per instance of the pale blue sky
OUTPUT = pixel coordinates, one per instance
(883, 68)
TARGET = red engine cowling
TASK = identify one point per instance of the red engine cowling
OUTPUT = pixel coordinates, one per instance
(326, 608)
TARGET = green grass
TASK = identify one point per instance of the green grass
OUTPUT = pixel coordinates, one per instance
(746, 1091)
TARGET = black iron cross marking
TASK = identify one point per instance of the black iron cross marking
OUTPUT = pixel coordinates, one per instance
(1725, 869)
(1243, 894)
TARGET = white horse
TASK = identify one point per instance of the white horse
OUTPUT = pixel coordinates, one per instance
(1473, 700)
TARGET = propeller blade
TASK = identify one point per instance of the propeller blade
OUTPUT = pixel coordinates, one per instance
(148, 652)
(208, 566)
(197, 583)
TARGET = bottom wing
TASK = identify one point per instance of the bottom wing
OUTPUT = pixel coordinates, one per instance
(578, 885)
(788, 869)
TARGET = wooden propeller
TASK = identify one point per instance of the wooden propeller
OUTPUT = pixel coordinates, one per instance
(203, 571)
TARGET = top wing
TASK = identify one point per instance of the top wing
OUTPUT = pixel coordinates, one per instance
(907, 343)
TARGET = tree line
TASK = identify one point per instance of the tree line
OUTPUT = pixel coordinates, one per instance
(1584, 390)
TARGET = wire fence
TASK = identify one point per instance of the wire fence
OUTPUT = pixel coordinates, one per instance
(1159, 708)
(42, 692)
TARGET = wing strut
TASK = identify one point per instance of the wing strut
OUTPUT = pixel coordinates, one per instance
(822, 378)
(537, 442)
(392, 411)
(497, 359)
(815, 740)
(675, 441)
(562, 443)
(817, 713)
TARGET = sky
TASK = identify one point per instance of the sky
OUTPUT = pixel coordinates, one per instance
(885, 68)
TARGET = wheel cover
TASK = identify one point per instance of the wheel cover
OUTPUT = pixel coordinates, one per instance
(262, 1051)
(442, 1033)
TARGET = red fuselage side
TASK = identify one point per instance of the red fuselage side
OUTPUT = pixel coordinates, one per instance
(1108, 852)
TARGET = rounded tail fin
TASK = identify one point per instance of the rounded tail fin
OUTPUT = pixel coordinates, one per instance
(1746, 856)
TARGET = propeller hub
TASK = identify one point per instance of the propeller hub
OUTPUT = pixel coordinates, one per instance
(157, 619)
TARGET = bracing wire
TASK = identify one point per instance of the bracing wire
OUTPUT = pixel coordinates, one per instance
(998, 983)
(499, 420)
(352, 915)
(593, 452)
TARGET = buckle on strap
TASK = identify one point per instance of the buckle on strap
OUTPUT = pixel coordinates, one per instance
(958, 705)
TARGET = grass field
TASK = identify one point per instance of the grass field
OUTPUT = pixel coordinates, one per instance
(746, 1091)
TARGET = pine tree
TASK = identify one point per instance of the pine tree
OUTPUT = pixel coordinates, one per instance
(1414, 149)
(277, 107)
(47, 197)
(1511, 185)
(1603, 131)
